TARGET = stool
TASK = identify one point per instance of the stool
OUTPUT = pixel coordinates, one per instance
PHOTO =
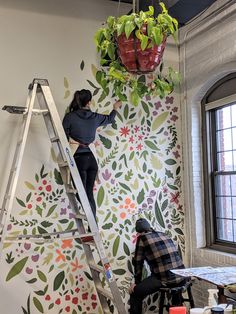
(174, 296)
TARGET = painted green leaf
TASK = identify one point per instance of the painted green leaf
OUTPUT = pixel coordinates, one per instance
(41, 276)
(151, 145)
(126, 111)
(82, 65)
(178, 170)
(17, 268)
(100, 196)
(29, 185)
(170, 162)
(58, 280)
(66, 84)
(172, 187)
(124, 186)
(145, 108)
(28, 197)
(179, 231)
(116, 245)
(155, 162)
(105, 141)
(140, 197)
(20, 202)
(159, 215)
(51, 210)
(33, 280)
(67, 94)
(164, 205)
(159, 120)
(39, 210)
(88, 275)
(58, 177)
(38, 305)
(107, 226)
(119, 271)
(126, 249)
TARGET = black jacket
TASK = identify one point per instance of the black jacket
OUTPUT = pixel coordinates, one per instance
(81, 125)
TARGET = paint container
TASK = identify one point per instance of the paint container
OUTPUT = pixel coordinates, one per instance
(177, 310)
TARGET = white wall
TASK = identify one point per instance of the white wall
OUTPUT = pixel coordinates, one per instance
(207, 53)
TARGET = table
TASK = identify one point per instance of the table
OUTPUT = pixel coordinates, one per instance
(219, 276)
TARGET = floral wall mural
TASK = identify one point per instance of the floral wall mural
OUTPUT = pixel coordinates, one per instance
(140, 175)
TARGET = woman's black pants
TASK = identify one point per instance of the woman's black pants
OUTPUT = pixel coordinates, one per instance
(88, 168)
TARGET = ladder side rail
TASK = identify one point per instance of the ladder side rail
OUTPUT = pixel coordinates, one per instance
(11, 175)
(30, 106)
(14, 161)
(49, 102)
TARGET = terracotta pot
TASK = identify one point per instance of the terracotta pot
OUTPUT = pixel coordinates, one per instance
(134, 58)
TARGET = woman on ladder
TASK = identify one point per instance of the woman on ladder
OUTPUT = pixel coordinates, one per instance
(80, 125)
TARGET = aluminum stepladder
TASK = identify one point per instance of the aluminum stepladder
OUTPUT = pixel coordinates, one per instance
(40, 89)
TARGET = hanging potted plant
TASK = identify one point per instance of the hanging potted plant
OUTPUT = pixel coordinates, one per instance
(132, 45)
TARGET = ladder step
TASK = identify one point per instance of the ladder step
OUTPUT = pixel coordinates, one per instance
(104, 292)
(71, 191)
(81, 216)
(54, 139)
(63, 164)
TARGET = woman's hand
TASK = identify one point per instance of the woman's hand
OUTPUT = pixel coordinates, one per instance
(117, 105)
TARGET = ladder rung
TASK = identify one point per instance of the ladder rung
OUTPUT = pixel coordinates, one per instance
(54, 139)
(63, 164)
(104, 292)
(81, 216)
(39, 111)
(96, 267)
(71, 191)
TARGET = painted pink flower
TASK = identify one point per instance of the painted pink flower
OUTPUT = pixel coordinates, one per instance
(131, 139)
(136, 128)
(175, 109)
(169, 100)
(106, 175)
(176, 154)
(174, 118)
(158, 105)
(139, 147)
(175, 198)
(124, 131)
(140, 137)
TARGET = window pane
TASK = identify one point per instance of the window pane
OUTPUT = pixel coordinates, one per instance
(225, 161)
(234, 137)
(223, 119)
(233, 114)
(224, 140)
(233, 185)
(223, 207)
(225, 230)
(234, 207)
(223, 186)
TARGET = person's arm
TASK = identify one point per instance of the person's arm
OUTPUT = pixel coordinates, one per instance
(66, 125)
(138, 260)
(108, 119)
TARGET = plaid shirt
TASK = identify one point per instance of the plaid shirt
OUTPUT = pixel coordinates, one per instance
(161, 255)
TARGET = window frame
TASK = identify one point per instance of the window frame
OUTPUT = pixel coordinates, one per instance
(209, 166)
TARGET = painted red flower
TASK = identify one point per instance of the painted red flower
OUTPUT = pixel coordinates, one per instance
(175, 198)
(75, 300)
(94, 305)
(131, 139)
(85, 296)
(136, 128)
(139, 147)
(124, 131)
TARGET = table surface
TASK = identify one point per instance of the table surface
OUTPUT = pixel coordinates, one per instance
(220, 276)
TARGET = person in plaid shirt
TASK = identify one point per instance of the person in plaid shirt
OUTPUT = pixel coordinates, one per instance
(161, 254)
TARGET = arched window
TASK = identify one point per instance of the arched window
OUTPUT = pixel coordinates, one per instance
(219, 154)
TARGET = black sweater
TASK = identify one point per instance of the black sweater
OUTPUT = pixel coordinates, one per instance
(81, 125)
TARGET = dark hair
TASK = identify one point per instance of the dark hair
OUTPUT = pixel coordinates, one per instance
(142, 225)
(80, 99)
